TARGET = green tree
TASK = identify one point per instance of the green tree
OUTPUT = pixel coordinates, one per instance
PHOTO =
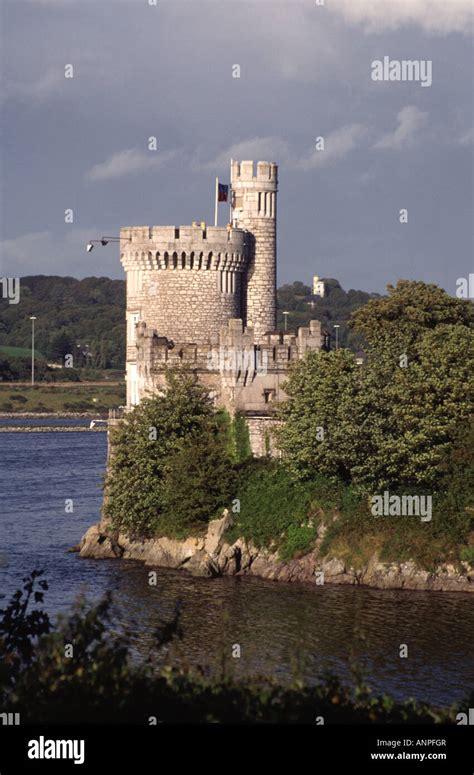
(142, 446)
(393, 421)
(394, 324)
(198, 483)
(317, 430)
(407, 417)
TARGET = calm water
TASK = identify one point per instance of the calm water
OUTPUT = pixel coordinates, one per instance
(273, 622)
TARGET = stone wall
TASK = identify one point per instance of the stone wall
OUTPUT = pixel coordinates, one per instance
(184, 281)
(240, 375)
(186, 306)
(254, 208)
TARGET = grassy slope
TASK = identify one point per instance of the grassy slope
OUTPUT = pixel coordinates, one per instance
(77, 398)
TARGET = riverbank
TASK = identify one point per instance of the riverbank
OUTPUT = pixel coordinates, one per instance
(52, 415)
(211, 555)
(60, 398)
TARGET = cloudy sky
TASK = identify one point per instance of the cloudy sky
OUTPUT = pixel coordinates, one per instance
(164, 69)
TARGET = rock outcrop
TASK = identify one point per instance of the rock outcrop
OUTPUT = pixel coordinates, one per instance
(212, 555)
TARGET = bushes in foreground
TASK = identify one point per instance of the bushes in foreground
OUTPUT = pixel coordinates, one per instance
(101, 683)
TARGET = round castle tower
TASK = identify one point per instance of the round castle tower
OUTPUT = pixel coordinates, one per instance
(254, 208)
(185, 281)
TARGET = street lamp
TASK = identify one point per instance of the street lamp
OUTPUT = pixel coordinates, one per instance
(337, 327)
(32, 318)
(286, 320)
(105, 241)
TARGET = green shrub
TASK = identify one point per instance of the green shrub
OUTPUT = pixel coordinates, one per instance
(241, 439)
(198, 483)
(467, 554)
(143, 450)
(271, 501)
(299, 540)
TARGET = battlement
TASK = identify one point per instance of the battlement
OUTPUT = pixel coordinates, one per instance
(242, 172)
(233, 350)
(182, 235)
(183, 247)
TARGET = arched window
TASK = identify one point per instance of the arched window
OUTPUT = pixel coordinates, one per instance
(209, 261)
(166, 260)
(175, 260)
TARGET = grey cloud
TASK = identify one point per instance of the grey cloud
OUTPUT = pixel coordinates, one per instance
(410, 120)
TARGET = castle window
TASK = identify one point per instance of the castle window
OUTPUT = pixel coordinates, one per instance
(201, 259)
(191, 261)
(132, 332)
(176, 233)
(268, 395)
(166, 260)
(183, 260)
(209, 261)
(175, 260)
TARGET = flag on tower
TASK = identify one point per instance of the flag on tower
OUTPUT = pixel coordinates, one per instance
(223, 193)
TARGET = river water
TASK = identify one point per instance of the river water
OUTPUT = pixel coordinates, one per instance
(276, 625)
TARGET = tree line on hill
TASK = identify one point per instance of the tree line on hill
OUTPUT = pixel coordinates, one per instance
(86, 318)
(334, 308)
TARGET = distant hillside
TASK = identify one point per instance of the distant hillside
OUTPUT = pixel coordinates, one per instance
(335, 307)
(87, 317)
(83, 317)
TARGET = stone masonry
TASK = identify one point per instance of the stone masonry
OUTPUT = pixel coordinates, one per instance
(204, 299)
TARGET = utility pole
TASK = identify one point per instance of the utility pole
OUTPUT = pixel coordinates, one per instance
(32, 318)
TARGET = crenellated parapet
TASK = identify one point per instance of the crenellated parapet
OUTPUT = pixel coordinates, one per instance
(183, 247)
(232, 355)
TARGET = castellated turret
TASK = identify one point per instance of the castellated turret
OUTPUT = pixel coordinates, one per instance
(203, 298)
(254, 208)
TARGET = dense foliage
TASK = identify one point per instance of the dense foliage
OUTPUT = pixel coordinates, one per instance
(391, 422)
(85, 318)
(102, 682)
(402, 422)
(273, 508)
(335, 307)
(171, 466)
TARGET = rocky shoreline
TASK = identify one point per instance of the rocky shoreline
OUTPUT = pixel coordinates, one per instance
(211, 556)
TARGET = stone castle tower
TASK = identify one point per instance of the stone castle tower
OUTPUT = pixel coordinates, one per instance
(254, 210)
(204, 298)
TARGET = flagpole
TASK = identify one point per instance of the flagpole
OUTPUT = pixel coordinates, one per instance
(230, 194)
(217, 196)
